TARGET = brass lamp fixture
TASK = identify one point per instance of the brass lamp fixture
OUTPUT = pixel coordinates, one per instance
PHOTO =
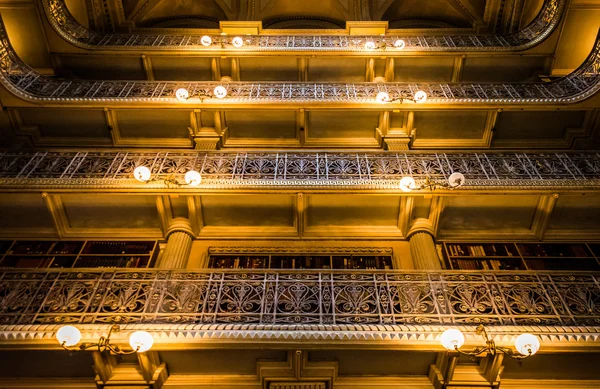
(191, 178)
(455, 180)
(69, 337)
(382, 97)
(526, 345)
(220, 92)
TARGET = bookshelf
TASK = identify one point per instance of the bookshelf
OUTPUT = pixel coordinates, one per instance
(522, 256)
(77, 254)
(300, 261)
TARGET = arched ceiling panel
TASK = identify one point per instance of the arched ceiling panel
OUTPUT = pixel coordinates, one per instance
(449, 12)
(333, 11)
(145, 12)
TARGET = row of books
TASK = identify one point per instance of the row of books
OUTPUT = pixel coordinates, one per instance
(131, 262)
(490, 250)
(302, 262)
(491, 264)
(118, 247)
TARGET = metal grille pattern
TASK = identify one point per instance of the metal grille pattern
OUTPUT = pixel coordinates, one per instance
(65, 25)
(30, 85)
(306, 297)
(256, 169)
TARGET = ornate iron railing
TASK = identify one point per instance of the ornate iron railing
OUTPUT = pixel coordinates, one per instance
(69, 29)
(299, 169)
(299, 297)
(30, 85)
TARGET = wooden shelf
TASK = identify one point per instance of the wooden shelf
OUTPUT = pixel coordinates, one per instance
(521, 256)
(95, 254)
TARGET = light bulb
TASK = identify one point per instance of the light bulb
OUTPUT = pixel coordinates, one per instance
(456, 179)
(206, 40)
(142, 173)
(370, 45)
(420, 96)
(193, 178)
(182, 94)
(407, 184)
(452, 339)
(382, 97)
(399, 44)
(141, 339)
(527, 344)
(220, 92)
(237, 41)
(68, 335)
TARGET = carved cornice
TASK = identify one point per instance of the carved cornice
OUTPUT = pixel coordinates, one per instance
(425, 337)
(69, 29)
(300, 250)
(231, 170)
(29, 85)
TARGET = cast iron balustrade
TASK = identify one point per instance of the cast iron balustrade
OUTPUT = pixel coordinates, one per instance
(307, 298)
(69, 29)
(30, 85)
(300, 169)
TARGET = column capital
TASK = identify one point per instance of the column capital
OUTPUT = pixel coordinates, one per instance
(180, 224)
(421, 225)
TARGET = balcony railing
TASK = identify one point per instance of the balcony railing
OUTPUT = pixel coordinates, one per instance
(306, 298)
(299, 169)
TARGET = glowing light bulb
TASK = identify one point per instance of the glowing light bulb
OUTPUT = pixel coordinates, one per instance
(68, 335)
(456, 179)
(407, 184)
(420, 96)
(452, 339)
(142, 173)
(141, 341)
(527, 344)
(237, 41)
(399, 44)
(370, 45)
(206, 40)
(382, 97)
(220, 92)
(182, 94)
(193, 178)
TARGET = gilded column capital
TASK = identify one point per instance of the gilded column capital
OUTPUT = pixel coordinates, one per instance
(421, 225)
(180, 224)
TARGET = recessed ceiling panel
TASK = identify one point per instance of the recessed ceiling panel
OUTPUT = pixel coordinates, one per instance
(248, 210)
(20, 210)
(174, 68)
(576, 213)
(336, 69)
(352, 210)
(76, 123)
(536, 125)
(450, 124)
(487, 213)
(154, 123)
(103, 67)
(110, 211)
(269, 69)
(501, 69)
(423, 69)
(261, 124)
(342, 124)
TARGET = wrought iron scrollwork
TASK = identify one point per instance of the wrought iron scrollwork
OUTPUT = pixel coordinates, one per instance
(298, 298)
(30, 85)
(72, 31)
(300, 169)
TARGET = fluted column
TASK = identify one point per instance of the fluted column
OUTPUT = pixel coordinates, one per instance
(179, 245)
(422, 246)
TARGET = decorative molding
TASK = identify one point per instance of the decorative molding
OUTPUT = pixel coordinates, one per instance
(30, 85)
(300, 250)
(229, 170)
(69, 29)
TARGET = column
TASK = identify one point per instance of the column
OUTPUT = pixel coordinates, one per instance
(179, 245)
(422, 246)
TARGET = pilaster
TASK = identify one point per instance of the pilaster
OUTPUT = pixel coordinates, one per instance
(422, 246)
(179, 244)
